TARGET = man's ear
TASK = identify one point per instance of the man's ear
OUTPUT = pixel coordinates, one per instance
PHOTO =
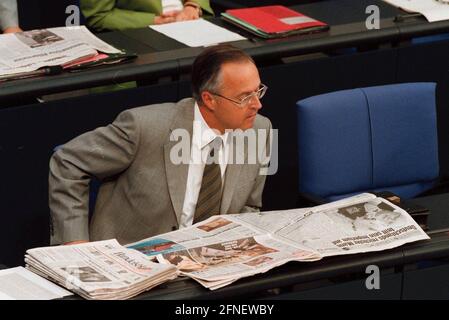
(208, 100)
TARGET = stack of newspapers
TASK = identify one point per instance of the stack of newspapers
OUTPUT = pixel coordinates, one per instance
(99, 270)
(22, 53)
(223, 249)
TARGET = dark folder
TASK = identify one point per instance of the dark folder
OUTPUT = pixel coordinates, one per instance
(109, 59)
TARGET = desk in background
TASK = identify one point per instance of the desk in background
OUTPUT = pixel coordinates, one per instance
(161, 56)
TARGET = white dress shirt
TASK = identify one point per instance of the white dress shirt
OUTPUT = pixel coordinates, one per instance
(202, 135)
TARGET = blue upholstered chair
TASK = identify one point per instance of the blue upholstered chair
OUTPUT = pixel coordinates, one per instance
(380, 138)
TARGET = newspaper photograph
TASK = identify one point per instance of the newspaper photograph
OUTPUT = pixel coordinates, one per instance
(30, 50)
(221, 250)
(247, 256)
(213, 230)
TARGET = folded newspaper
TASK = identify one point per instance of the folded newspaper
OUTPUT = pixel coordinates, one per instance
(225, 248)
(30, 50)
(99, 270)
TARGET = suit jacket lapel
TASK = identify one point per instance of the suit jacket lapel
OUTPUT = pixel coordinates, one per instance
(232, 175)
(177, 173)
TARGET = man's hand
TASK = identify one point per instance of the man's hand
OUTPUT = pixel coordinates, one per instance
(12, 30)
(189, 13)
(75, 242)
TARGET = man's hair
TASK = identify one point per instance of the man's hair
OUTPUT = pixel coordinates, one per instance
(207, 66)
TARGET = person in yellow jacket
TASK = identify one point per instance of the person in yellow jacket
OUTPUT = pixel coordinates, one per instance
(106, 15)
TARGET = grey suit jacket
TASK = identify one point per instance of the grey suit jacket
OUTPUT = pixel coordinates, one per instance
(8, 14)
(142, 191)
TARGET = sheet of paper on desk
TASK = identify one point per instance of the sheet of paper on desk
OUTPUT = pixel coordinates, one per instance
(197, 33)
(433, 10)
(21, 284)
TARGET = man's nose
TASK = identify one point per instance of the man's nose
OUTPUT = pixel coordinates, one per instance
(255, 103)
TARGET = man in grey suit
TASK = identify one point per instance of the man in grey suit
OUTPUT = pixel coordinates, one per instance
(9, 21)
(145, 188)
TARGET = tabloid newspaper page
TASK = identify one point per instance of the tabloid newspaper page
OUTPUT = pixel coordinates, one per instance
(363, 223)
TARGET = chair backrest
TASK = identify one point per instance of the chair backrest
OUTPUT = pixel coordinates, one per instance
(368, 139)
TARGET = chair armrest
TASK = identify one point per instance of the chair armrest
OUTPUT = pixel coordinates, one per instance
(441, 186)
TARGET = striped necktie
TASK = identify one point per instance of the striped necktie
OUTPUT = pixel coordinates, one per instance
(209, 198)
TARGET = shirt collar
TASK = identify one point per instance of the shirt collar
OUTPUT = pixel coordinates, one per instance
(203, 133)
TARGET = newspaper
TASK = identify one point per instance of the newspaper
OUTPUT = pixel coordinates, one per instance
(20, 284)
(225, 248)
(30, 50)
(99, 270)
(433, 10)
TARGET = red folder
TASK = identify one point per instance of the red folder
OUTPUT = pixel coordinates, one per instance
(274, 20)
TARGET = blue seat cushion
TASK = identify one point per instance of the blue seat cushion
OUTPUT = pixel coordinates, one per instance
(334, 149)
(404, 135)
(368, 139)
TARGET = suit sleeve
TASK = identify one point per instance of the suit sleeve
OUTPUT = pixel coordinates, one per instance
(254, 202)
(8, 14)
(102, 153)
(104, 15)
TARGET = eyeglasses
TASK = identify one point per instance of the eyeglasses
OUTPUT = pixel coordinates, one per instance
(245, 101)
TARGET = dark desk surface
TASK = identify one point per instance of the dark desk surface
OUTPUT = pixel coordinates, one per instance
(161, 56)
(294, 273)
(438, 205)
